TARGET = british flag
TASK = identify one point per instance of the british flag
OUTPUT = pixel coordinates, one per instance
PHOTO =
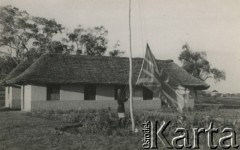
(153, 76)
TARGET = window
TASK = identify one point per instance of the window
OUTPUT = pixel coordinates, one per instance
(53, 92)
(90, 92)
(147, 94)
(123, 91)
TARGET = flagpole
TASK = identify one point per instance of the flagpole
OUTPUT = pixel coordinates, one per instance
(130, 70)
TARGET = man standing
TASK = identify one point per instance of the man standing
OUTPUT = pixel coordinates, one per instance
(121, 99)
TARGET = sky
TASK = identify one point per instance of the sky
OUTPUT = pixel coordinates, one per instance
(212, 26)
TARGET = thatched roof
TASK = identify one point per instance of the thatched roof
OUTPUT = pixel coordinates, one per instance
(72, 69)
(20, 68)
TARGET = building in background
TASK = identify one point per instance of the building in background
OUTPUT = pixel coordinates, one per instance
(57, 81)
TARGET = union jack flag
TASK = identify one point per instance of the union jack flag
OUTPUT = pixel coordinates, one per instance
(153, 76)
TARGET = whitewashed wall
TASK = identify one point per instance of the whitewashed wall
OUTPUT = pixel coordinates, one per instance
(31, 93)
(39, 93)
(22, 97)
(192, 98)
(105, 92)
(72, 97)
(16, 97)
(26, 98)
(7, 94)
(137, 93)
(71, 92)
(156, 97)
(98, 104)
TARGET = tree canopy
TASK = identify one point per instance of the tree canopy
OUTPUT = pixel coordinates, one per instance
(89, 41)
(116, 50)
(23, 36)
(28, 37)
(196, 64)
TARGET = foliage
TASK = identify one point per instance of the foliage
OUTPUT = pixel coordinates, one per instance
(116, 51)
(196, 64)
(15, 31)
(44, 38)
(89, 41)
(27, 37)
(6, 65)
(23, 37)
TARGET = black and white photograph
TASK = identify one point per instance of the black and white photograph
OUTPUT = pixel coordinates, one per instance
(119, 74)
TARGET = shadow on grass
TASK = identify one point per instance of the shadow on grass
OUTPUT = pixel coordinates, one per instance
(9, 109)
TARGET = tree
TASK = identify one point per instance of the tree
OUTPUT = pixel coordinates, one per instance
(15, 31)
(6, 66)
(44, 37)
(27, 37)
(116, 51)
(196, 64)
(23, 36)
(89, 41)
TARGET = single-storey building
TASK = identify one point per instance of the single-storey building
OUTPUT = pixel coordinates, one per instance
(57, 81)
(13, 91)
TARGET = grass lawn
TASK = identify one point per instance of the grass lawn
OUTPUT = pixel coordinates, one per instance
(220, 100)
(21, 132)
